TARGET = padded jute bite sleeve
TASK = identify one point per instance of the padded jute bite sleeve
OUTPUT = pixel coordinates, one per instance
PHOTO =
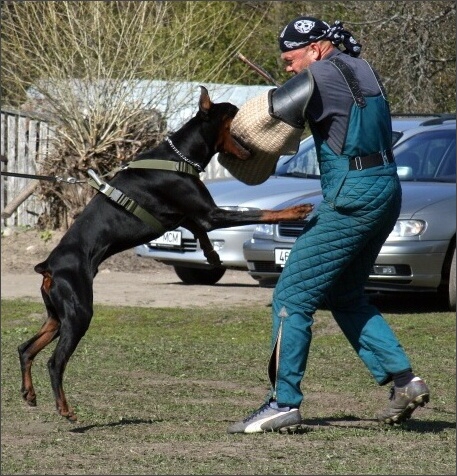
(269, 125)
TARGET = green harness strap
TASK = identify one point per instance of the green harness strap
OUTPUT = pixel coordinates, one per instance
(162, 165)
(129, 204)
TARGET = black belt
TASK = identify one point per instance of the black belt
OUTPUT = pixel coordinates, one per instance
(372, 160)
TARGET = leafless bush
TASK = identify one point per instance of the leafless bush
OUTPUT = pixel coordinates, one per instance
(91, 65)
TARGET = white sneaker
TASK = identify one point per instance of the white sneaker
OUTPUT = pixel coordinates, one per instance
(268, 418)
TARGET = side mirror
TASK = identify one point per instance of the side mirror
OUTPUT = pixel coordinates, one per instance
(405, 173)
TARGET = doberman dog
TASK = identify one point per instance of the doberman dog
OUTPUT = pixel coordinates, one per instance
(104, 228)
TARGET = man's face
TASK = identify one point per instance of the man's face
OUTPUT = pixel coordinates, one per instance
(296, 61)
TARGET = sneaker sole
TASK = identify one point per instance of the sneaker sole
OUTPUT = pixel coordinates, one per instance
(283, 430)
(419, 401)
(289, 429)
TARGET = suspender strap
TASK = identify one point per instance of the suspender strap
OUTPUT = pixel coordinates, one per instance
(350, 79)
(121, 199)
(378, 79)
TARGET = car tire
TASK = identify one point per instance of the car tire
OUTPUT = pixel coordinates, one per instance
(198, 275)
(452, 285)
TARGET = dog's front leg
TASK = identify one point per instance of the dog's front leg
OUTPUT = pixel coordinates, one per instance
(205, 244)
(221, 218)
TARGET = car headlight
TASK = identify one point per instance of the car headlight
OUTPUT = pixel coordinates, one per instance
(407, 228)
(263, 231)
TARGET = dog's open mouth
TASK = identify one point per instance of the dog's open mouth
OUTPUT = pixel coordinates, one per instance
(243, 152)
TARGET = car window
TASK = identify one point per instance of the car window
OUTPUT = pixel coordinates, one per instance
(427, 156)
(302, 164)
(448, 165)
(396, 135)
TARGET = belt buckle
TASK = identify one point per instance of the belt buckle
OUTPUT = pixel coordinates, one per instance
(358, 162)
(385, 159)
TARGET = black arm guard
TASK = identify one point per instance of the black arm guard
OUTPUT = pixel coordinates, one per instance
(288, 102)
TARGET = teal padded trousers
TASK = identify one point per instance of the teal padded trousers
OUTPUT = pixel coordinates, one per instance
(330, 262)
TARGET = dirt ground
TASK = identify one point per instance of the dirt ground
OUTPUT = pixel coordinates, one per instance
(124, 279)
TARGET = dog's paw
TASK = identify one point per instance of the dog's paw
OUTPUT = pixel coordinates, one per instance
(300, 212)
(213, 258)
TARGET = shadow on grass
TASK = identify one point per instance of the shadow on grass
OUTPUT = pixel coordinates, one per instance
(123, 422)
(313, 424)
(350, 421)
(393, 302)
(407, 303)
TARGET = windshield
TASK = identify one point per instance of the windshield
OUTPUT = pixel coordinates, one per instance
(427, 157)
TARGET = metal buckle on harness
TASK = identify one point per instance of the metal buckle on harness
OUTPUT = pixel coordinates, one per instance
(116, 195)
(385, 159)
(121, 199)
(358, 162)
(129, 204)
(181, 166)
(102, 185)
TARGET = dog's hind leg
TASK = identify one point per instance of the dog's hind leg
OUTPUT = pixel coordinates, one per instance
(75, 311)
(27, 352)
(69, 317)
(29, 349)
(69, 339)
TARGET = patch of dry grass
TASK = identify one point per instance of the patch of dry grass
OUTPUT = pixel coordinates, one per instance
(155, 391)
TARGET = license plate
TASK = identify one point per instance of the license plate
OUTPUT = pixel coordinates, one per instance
(169, 238)
(281, 256)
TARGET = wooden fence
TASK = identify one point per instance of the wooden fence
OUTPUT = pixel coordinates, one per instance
(26, 140)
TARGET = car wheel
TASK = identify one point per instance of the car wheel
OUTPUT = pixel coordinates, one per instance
(452, 279)
(198, 275)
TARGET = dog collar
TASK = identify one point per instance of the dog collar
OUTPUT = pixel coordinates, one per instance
(196, 166)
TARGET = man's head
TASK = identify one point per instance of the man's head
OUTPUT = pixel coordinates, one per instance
(307, 39)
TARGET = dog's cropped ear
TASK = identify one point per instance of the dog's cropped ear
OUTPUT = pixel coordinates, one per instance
(205, 103)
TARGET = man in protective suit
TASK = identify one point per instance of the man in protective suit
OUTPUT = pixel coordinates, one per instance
(344, 101)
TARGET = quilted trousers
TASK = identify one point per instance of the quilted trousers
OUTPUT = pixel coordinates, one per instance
(330, 262)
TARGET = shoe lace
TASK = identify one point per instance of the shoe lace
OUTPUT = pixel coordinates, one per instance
(263, 408)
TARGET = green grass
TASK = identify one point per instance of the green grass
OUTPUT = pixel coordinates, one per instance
(155, 389)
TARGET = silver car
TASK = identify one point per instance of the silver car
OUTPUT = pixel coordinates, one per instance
(294, 175)
(419, 254)
(180, 249)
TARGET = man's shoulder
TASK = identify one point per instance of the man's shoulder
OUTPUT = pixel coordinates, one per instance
(325, 67)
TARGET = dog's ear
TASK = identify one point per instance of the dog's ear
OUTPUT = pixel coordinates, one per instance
(205, 103)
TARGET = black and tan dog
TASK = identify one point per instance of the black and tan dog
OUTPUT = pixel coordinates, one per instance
(106, 227)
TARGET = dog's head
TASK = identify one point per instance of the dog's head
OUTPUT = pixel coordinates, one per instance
(222, 114)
